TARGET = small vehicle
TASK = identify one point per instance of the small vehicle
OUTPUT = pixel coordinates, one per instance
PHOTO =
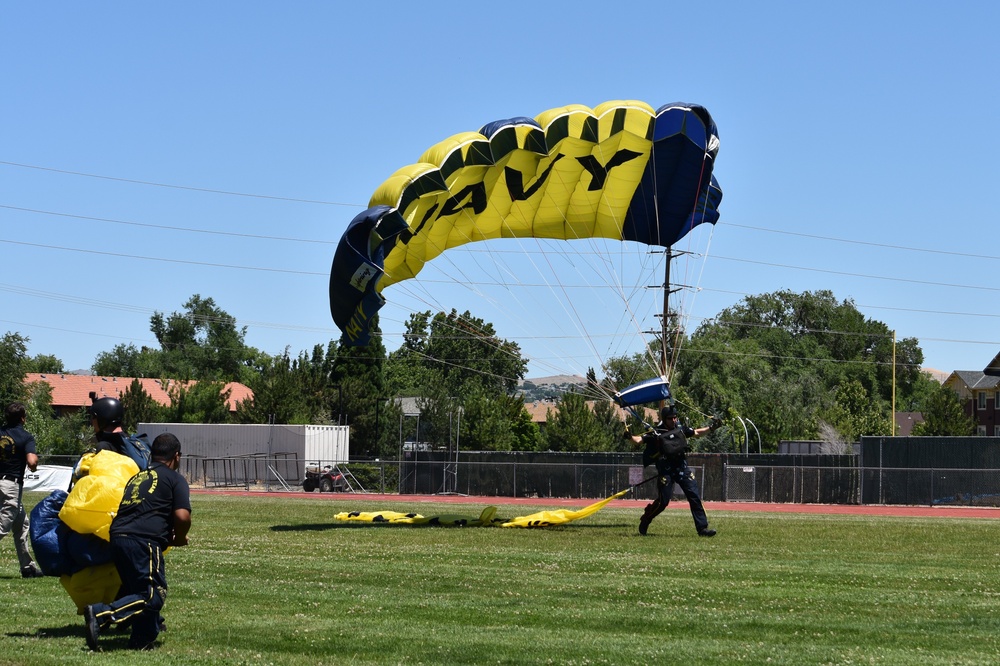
(329, 479)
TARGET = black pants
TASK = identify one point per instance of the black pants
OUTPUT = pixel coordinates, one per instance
(681, 474)
(144, 589)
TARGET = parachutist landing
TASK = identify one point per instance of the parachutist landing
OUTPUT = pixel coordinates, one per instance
(666, 447)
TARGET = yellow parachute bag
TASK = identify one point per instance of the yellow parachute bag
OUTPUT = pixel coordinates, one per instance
(92, 585)
(94, 499)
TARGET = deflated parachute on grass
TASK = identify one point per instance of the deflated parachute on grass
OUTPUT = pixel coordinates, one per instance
(621, 171)
(486, 519)
(70, 532)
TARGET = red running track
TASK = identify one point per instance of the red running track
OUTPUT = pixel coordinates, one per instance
(828, 509)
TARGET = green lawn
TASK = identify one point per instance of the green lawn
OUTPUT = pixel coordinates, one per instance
(274, 580)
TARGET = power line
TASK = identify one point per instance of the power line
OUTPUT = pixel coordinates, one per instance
(177, 187)
(167, 227)
(162, 259)
(858, 275)
(859, 242)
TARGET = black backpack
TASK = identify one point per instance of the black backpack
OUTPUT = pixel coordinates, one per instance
(659, 446)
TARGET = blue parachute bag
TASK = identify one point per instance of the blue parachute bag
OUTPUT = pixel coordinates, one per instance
(48, 534)
(58, 549)
(138, 448)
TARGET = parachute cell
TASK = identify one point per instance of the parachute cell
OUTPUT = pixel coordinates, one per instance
(621, 171)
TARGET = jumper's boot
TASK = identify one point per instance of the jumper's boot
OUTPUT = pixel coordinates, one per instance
(652, 510)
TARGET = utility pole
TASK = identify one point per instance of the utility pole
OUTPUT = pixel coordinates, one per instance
(666, 332)
(665, 355)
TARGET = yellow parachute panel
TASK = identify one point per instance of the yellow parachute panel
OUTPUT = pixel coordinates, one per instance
(560, 516)
(92, 585)
(487, 518)
(94, 500)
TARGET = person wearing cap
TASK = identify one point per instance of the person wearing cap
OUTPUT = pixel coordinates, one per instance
(666, 447)
(17, 452)
(154, 514)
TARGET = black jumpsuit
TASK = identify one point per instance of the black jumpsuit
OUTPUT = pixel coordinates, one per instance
(672, 468)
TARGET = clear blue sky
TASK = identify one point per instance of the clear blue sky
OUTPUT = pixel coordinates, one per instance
(151, 151)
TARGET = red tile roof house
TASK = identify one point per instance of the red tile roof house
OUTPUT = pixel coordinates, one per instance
(71, 393)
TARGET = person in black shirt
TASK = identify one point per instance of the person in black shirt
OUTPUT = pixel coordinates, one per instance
(155, 512)
(17, 451)
(666, 446)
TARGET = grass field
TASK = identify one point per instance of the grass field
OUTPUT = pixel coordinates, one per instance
(273, 580)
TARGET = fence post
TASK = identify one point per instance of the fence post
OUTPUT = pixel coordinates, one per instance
(932, 487)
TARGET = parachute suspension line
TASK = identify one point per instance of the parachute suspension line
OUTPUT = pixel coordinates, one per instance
(666, 357)
(697, 287)
(670, 360)
(634, 318)
(662, 366)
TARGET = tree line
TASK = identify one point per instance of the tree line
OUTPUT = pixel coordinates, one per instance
(796, 365)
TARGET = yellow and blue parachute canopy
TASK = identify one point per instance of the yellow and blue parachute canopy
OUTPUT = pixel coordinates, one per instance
(621, 170)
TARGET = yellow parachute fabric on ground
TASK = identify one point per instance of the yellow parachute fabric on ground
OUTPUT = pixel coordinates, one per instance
(94, 499)
(486, 519)
(92, 585)
(560, 516)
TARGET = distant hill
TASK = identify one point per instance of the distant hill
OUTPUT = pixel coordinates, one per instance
(538, 388)
(939, 375)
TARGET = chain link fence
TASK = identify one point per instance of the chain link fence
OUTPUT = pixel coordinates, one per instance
(792, 484)
(721, 477)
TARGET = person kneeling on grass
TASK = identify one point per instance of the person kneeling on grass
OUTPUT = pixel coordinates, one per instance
(155, 512)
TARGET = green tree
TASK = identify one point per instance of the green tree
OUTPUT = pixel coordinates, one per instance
(45, 363)
(139, 407)
(610, 426)
(201, 343)
(127, 360)
(574, 427)
(67, 435)
(439, 417)
(497, 423)
(287, 390)
(407, 371)
(38, 418)
(923, 389)
(199, 402)
(14, 366)
(855, 414)
(459, 350)
(779, 359)
(358, 396)
(944, 416)
(623, 371)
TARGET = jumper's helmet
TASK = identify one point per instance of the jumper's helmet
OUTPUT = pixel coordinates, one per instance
(668, 412)
(107, 411)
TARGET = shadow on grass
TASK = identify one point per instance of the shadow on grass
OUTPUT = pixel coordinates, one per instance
(112, 639)
(53, 632)
(322, 527)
